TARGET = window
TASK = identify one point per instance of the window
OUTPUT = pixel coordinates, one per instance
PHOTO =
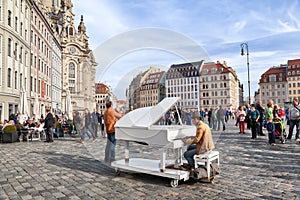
(16, 79)
(72, 86)
(21, 54)
(31, 83)
(39, 86)
(9, 77)
(272, 78)
(21, 78)
(16, 51)
(16, 24)
(9, 47)
(71, 32)
(9, 18)
(71, 70)
(21, 29)
(34, 84)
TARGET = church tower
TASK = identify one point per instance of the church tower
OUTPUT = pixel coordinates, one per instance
(78, 62)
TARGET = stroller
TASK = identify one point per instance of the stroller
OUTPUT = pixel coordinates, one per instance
(280, 130)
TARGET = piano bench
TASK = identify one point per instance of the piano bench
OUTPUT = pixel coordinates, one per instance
(207, 158)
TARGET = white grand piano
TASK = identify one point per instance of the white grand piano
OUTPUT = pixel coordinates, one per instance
(141, 125)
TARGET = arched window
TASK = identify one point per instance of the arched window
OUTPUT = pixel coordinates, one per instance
(71, 32)
(71, 70)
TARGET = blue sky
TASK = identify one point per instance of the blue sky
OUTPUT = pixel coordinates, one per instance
(192, 29)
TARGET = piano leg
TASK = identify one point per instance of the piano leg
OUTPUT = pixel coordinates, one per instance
(163, 160)
(178, 157)
(126, 151)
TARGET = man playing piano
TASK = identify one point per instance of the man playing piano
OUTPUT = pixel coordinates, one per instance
(200, 143)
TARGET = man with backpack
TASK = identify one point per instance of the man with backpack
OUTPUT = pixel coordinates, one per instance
(294, 120)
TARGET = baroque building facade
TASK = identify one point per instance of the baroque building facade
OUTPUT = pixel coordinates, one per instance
(273, 85)
(14, 54)
(219, 86)
(78, 62)
(293, 78)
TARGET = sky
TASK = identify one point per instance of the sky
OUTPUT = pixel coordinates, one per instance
(128, 37)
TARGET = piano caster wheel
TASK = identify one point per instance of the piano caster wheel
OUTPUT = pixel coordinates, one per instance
(174, 183)
(117, 172)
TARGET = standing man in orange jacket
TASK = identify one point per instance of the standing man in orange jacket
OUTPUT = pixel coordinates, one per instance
(110, 118)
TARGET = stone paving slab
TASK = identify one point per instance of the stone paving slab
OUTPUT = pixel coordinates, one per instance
(67, 169)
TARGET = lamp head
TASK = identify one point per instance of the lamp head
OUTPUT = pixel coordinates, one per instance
(242, 51)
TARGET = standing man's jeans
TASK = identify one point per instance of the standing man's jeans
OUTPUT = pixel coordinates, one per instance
(189, 154)
(49, 134)
(291, 128)
(110, 148)
(271, 132)
(95, 128)
(223, 123)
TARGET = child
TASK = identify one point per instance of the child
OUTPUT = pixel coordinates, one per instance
(271, 131)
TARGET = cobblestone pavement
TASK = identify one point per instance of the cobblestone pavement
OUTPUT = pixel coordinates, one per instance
(67, 169)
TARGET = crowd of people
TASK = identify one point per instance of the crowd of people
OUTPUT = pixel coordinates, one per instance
(255, 117)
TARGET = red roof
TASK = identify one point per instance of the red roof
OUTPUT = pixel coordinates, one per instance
(294, 62)
(208, 67)
(274, 71)
(100, 88)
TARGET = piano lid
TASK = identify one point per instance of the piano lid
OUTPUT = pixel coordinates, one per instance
(147, 116)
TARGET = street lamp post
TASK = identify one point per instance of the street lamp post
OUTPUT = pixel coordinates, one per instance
(245, 46)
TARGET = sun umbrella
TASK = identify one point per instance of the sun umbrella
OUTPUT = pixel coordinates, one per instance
(36, 107)
(23, 106)
(69, 108)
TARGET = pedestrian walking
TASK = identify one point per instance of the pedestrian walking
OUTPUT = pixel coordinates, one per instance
(101, 121)
(86, 128)
(95, 121)
(221, 118)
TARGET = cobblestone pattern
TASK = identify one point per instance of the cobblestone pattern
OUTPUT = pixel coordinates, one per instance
(67, 169)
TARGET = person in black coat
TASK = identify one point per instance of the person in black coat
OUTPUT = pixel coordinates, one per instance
(49, 124)
(261, 111)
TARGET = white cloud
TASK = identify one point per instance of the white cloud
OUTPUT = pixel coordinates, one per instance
(219, 26)
(101, 19)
